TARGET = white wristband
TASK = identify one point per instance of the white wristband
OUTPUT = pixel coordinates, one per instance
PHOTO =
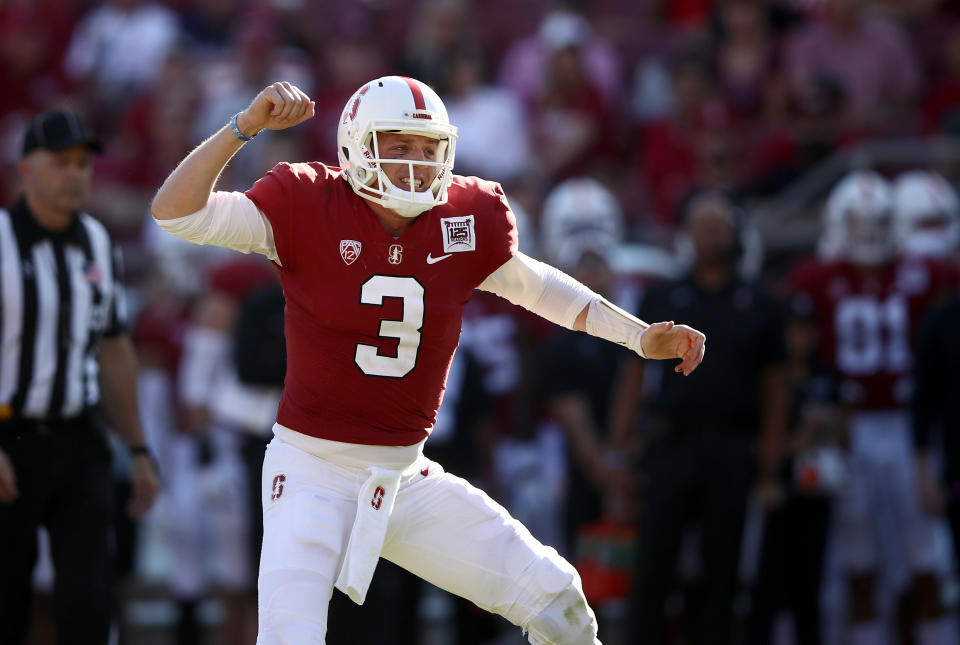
(608, 321)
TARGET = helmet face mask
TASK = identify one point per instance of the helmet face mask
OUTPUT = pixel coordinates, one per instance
(869, 237)
(858, 220)
(395, 105)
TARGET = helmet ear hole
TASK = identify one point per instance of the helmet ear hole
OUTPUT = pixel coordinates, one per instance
(346, 152)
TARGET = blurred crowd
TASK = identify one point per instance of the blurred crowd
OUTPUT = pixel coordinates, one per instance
(637, 141)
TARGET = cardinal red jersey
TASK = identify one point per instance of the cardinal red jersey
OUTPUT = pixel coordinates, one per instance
(371, 321)
(867, 323)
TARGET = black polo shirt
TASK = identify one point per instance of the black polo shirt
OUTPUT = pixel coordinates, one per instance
(937, 386)
(745, 335)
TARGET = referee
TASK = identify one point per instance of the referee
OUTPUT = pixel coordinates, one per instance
(62, 340)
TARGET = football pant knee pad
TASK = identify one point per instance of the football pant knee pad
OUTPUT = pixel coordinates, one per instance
(293, 607)
(567, 620)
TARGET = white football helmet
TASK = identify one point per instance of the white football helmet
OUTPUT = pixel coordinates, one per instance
(578, 215)
(394, 104)
(858, 220)
(926, 214)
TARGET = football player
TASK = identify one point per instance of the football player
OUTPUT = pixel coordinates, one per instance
(377, 258)
(867, 302)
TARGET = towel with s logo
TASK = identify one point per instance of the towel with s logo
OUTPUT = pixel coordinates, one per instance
(374, 505)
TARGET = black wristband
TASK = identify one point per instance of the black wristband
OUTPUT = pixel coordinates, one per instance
(139, 450)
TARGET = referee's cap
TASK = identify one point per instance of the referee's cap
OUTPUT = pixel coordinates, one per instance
(58, 130)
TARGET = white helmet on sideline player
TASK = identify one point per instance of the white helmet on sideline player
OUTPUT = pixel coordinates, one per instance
(401, 105)
(858, 220)
(926, 214)
(579, 214)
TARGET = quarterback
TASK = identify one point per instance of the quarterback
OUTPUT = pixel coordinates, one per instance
(377, 259)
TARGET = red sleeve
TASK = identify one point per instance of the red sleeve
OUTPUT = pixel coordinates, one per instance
(273, 194)
(497, 230)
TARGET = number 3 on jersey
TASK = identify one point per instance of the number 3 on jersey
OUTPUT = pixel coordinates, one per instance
(406, 330)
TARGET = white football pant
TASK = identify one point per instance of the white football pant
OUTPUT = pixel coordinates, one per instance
(880, 522)
(441, 528)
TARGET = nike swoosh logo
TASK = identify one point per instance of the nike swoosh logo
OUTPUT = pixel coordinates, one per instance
(434, 260)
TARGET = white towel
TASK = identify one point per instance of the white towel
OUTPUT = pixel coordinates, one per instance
(374, 505)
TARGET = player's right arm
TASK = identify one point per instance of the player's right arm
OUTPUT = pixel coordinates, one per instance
(554, 295)
(187, 189)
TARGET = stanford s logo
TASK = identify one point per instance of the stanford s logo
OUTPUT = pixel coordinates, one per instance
(395, 254)
(278, 483)
(349, 251)
(377, 498)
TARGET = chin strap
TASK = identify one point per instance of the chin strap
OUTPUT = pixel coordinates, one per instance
(407, 203)
(608, 321)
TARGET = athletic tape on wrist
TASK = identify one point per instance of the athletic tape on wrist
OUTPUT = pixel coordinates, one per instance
(608, 321)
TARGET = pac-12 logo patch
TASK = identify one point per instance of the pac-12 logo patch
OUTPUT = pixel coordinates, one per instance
(349, 251)
(395, 254)
(458, 234)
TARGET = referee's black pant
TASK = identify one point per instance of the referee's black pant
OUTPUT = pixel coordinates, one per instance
(65, 484)
(691, 479)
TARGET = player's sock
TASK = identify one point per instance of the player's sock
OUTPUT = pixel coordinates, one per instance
(868, 633)
(941, 631)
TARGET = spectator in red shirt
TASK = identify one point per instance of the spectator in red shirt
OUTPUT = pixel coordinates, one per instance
(690, 147)
(868, 57)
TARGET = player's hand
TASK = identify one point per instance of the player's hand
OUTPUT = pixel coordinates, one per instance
(277, 107)
(145, 484)
(664, 340)
(8, 480)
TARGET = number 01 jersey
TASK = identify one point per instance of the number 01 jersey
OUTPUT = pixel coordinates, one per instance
(372, 322)
(867, 323)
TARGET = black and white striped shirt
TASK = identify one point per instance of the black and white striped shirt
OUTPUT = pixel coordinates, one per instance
(60, 293)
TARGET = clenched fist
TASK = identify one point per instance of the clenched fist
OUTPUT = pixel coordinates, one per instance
(276, 107)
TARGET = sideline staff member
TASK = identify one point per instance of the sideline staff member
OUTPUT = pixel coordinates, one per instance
(61, 327)
(702, 460)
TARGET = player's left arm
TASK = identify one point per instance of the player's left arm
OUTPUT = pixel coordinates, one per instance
(554, 295)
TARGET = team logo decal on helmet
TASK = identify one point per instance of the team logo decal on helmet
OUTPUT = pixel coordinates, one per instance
(350, 251)
(401, 105)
